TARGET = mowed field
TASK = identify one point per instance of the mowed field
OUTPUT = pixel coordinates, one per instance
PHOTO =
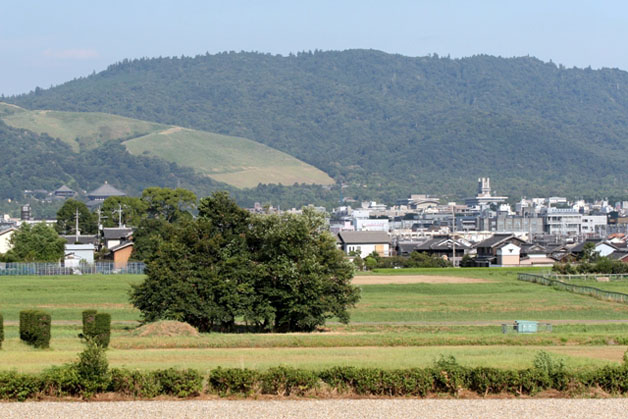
(406, 318)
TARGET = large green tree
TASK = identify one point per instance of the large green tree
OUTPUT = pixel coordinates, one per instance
(66, 218)
(133, 209)
(280, 273)
(35, 243)
(163, 211)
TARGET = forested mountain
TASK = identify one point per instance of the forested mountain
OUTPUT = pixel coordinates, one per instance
(387, 124)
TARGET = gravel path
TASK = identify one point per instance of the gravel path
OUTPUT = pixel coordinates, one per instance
(509, 408)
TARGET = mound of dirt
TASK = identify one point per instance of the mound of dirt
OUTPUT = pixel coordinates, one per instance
(166, 328)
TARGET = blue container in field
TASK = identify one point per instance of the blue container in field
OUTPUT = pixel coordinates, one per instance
(526, 326)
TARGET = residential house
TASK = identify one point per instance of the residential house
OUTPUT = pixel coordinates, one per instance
(487, 250)
(601, 247)
(443, 246)
(364, 242)
(121, 254)
(114, 236)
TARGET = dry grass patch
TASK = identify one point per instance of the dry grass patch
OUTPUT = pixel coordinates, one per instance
(165, 328)
(415, 279)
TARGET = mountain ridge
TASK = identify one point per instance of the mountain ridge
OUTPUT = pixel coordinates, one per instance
(395, 124)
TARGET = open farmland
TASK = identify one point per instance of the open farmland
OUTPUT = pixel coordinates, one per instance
(455, 312)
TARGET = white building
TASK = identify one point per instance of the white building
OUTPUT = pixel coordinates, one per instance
(5, 239)
(78, 253)
(562, 222)
(364, 242)
(372, 224)
(594, 225)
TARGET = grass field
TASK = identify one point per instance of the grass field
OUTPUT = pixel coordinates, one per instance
(394, 325)
(615, 286)
(236, 161)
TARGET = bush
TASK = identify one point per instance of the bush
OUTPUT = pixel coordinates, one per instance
(286, 381)
(14, 386)
(97, 327)
(179, 383)
(227, 381)
(89, 321)
(134, 383)
(93, 369)
(102, 329)
(35, 328)
(60, 381)
(449, 376)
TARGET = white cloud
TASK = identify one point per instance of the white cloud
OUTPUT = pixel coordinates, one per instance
(72, 54)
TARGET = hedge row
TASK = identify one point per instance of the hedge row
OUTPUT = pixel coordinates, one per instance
(419, 382)
(97, 326)
(35, 328)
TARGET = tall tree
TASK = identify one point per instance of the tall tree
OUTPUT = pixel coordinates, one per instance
(133, 209)
(279, 273)
(168, 204)
(66, 218)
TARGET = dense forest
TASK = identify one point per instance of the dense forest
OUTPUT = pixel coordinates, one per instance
(387, 125)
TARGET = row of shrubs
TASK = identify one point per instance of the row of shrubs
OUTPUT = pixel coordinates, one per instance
(90, 376)
(35, 328)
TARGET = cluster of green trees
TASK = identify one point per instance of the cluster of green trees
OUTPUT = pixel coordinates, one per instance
(590, 261)
(274, 272)
(415, 260)
(386, 124)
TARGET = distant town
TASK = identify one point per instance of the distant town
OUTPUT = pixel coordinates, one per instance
(485, 231)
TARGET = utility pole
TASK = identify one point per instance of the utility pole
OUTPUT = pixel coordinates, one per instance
(453, 233)
(76, 226)
(119, 212)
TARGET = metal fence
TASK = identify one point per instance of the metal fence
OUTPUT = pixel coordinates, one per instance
(577, 289)
(590, 277)
(106, 268)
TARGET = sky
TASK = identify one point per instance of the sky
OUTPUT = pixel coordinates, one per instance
(45, 43)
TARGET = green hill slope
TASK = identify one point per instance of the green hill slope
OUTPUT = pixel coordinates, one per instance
(395, 124)
(232, 160)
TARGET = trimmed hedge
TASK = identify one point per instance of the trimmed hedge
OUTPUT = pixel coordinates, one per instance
(90, 376)
(418, 382)
(35, 328)
(97, 326)
(1, 330)
(89, 321)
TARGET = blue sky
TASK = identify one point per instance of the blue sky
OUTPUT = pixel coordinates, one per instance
(48, 43)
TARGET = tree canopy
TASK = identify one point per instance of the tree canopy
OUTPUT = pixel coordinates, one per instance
(66, 218)
(35, 243)
(281, 273)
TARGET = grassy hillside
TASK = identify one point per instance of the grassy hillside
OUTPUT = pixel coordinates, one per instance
(81, 130)
(232, 160)
(386, 124)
